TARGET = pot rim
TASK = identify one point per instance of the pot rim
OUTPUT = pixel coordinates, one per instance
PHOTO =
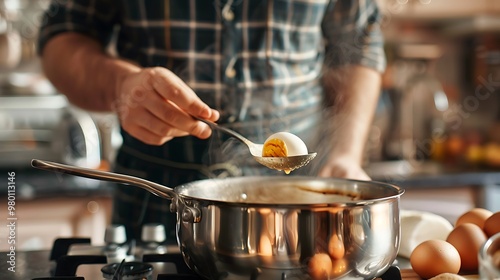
(182, 190)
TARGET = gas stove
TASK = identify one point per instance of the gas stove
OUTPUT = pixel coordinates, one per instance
(169, 265)
(77, 259)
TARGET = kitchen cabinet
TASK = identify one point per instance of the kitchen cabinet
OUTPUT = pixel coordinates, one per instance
(438, 9)
(40, 221)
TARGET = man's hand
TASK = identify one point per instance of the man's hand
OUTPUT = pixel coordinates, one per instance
(154, 106)
(343, 168)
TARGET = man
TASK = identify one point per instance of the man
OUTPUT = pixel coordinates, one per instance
(310, 67)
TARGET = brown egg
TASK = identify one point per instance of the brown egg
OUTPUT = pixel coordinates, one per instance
(433, 257)
(492, 224)
(467, 239)
(320, 266)
(476, 216)
(336, 248)
(339, 267)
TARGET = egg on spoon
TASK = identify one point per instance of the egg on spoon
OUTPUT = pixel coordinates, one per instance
(284, 144)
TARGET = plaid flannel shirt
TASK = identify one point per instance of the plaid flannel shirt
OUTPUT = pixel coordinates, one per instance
(245, 58)
(258, 61)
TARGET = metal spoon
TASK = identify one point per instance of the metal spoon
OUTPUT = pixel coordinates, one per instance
(286, 164)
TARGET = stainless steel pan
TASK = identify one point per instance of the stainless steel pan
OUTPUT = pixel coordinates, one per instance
(277, 227)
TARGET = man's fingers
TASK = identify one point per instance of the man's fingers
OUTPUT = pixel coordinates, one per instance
(172, 116)
(156, 106)
(171, 87)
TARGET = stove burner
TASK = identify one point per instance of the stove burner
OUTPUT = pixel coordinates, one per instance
(67, 265)
(130, 270)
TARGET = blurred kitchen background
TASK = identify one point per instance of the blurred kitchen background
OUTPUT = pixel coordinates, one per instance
(436, 131)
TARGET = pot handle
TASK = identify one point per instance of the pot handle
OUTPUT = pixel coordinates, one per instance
(154, 188)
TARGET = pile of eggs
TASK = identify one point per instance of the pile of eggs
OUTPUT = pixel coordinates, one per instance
(459, 252)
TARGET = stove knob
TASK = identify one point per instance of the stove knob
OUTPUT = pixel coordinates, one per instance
(153, 233)
(115, 234)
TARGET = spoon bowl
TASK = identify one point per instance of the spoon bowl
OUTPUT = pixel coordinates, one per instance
(286, 164)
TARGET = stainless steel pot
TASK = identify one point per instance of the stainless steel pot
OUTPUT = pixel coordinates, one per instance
(278, 227)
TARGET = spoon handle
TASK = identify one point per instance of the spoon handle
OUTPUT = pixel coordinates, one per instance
(228, 131)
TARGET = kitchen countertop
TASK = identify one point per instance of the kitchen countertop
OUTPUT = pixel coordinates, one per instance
(430, 173)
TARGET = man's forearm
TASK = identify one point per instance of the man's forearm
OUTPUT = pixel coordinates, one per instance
(355, 91)
(79, 68)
